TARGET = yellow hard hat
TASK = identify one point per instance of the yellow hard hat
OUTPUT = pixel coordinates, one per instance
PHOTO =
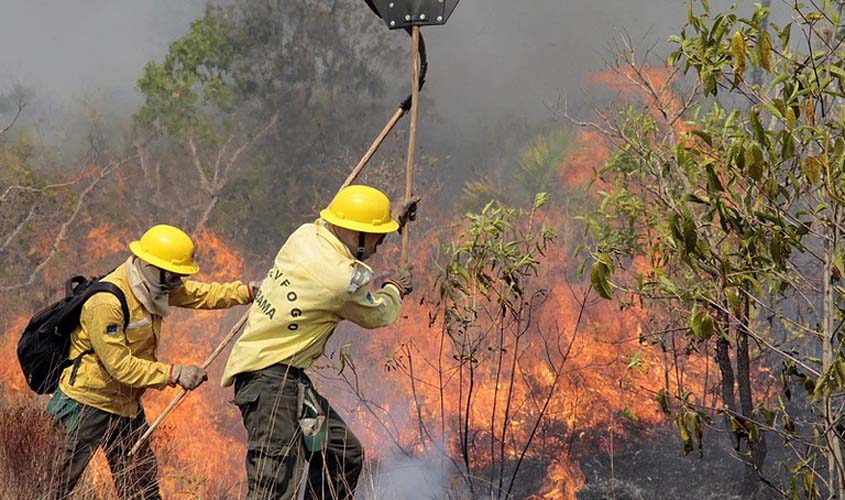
(168, 248)
(360, 208)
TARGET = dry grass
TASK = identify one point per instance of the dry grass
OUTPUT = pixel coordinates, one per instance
(29, 451)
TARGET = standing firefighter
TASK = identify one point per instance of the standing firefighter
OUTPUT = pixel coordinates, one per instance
(317, 280)
(98, 400)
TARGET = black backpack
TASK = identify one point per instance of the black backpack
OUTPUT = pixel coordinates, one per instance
(45, 342)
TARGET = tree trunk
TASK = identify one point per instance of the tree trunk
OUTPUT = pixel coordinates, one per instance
(834, 450)
(756, 444)
(723, 360)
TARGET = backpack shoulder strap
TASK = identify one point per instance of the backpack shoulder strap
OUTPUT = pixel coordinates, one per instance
(98, 287)
(105, 286)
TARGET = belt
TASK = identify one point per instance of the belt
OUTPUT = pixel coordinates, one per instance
(286, 370)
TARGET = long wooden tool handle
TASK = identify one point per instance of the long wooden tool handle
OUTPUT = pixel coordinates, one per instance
(412, 133)
(183, 392)
(373, 147)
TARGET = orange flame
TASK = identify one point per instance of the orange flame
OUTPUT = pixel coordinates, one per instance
(202, 445)
(589, 153)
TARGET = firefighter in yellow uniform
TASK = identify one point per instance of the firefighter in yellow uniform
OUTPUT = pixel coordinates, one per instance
(98, 401)
(318, 279)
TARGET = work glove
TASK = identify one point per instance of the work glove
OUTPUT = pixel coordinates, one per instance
(253, 288)
(189, 377)
(402, 279)
(405, 210)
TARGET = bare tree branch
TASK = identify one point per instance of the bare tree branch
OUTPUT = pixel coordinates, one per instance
(21, 105)
(63, 229)
(220, 179)
(17, 229)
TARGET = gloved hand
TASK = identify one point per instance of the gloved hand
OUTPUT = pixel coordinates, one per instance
(405, 210)
(253, 288)
(402, 279)
(189, 377)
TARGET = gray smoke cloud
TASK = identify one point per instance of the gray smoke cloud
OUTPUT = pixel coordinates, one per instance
(68, 49)
(408, 478)
(493, 56)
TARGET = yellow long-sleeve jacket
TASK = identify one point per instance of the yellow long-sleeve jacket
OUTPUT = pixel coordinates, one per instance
(124, 363)
(314, 283)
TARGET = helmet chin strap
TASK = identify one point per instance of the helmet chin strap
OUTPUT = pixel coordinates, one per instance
(360, 254)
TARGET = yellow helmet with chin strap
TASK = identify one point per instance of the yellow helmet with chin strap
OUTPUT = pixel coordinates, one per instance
(360, 208)
(168, 248)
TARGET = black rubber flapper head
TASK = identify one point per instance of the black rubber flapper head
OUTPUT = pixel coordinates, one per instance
(406, 13)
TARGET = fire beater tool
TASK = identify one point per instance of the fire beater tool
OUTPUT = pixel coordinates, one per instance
(410, 15)
(397, 14)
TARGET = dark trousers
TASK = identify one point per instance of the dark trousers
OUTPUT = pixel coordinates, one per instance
(134, 477)
(276, 456)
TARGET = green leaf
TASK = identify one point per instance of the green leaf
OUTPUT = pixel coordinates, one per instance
(764, 50)
(600, 279)
(690, 235)
(636, 361)
(776, 249)
(838, 151)
(714, 184)
(697, 198)
(759, 133)
(790, 117)
(686, 438)
(738, 52)
(663, 401)
(784, 35)
(701, 325)
(707, 138)
(732, 295)
(540, 200)
(810, 110)
(813, 166)
(706, 327)
(580, 270)
(814, 16)
(808, 480)
(787, 150)
(627, 413)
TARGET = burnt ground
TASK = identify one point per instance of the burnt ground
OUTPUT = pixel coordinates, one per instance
(655, 467)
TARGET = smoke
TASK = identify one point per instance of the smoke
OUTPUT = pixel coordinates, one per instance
(493, 58)
(399, 477)
(68, 49)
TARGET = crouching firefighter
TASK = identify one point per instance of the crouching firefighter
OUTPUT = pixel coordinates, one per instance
(318, 279)
(114, 359)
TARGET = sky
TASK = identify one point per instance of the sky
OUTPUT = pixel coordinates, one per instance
(67, 49)
(493, 57)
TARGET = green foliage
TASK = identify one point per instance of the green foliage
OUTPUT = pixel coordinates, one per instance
(497, 252)
(196, 74)
(734, 207)
(488, 300)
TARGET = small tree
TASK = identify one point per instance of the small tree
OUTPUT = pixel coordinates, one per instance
(724, 203)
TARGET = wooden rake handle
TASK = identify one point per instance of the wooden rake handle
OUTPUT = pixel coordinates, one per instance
(183, 392)
(412, 132)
